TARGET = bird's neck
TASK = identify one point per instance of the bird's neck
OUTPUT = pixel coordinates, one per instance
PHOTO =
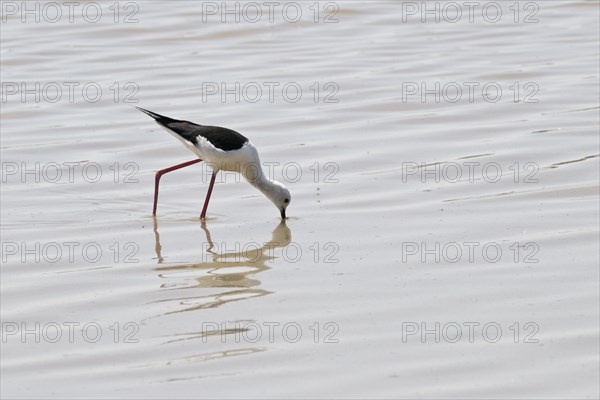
(257, 178)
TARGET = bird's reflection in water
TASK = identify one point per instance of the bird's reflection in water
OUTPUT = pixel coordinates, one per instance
(228, 269)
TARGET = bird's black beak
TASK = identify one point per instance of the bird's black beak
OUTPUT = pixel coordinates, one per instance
(283, 214)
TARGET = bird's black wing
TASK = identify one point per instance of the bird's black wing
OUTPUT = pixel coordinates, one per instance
(222, 138)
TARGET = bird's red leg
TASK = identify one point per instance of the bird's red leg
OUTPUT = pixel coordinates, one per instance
(210, 188)
(164, 171)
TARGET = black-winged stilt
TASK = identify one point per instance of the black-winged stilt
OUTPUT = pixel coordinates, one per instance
(223, 149)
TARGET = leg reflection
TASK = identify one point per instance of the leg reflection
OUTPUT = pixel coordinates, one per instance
(220, 269)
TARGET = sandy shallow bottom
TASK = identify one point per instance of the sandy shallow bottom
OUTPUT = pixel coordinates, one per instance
(434, 249)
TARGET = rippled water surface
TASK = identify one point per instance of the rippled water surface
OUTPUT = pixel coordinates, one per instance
(443, 240)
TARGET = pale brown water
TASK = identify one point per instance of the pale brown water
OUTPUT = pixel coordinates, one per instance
(356, 268)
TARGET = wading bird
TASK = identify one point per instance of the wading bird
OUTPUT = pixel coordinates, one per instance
(223, 149)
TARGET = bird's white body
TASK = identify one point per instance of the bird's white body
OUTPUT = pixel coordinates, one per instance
(232, 160)
(244, 160)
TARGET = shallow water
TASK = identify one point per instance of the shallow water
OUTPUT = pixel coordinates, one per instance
(436, 247)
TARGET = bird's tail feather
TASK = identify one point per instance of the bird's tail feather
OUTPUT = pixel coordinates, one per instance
(161, 119)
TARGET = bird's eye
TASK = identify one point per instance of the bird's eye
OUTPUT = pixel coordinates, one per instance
(286, 201)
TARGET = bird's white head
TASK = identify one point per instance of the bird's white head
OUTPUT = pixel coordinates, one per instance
(280, 196)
